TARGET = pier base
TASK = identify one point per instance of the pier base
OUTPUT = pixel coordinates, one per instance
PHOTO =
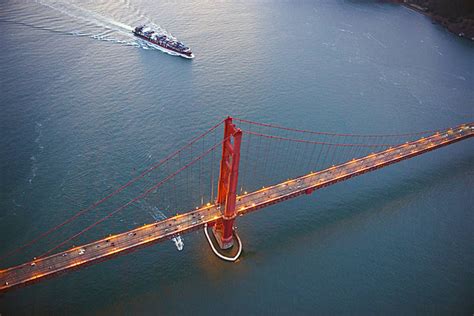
(224, 243)
(224, 254)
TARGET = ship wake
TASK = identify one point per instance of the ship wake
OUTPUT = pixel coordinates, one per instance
(109, 21)
(159, 216)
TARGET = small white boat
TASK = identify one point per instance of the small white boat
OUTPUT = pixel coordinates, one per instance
(178, 241)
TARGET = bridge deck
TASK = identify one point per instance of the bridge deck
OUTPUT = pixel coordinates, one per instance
(158, 231)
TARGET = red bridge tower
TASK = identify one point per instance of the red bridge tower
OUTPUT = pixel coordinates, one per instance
(227, 188)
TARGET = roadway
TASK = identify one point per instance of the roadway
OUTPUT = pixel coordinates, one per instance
(146, 235)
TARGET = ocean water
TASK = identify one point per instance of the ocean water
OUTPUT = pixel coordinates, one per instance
(83, 103)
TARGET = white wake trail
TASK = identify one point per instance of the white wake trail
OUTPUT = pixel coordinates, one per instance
(84, 14)
(159, 216)
(79, 13)
(100, 20)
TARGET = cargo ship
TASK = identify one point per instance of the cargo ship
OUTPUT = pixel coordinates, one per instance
(163, 42)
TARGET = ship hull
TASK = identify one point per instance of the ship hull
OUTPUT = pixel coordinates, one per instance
(162, 48)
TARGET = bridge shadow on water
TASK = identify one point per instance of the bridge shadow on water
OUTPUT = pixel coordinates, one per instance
(331, 218)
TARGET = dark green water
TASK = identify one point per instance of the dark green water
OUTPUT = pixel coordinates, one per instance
(83, 105)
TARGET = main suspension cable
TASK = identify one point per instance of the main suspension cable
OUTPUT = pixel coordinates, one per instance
(316, 142)
(327, 133)
(144, 194)
(118, 190)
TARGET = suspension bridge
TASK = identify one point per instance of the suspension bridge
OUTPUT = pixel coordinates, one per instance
(216, 179)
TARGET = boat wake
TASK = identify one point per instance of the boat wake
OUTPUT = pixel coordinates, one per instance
(106, 20)
(86, 15)
(159, 216)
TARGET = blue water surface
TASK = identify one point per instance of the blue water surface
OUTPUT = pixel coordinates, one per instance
(83, 104)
